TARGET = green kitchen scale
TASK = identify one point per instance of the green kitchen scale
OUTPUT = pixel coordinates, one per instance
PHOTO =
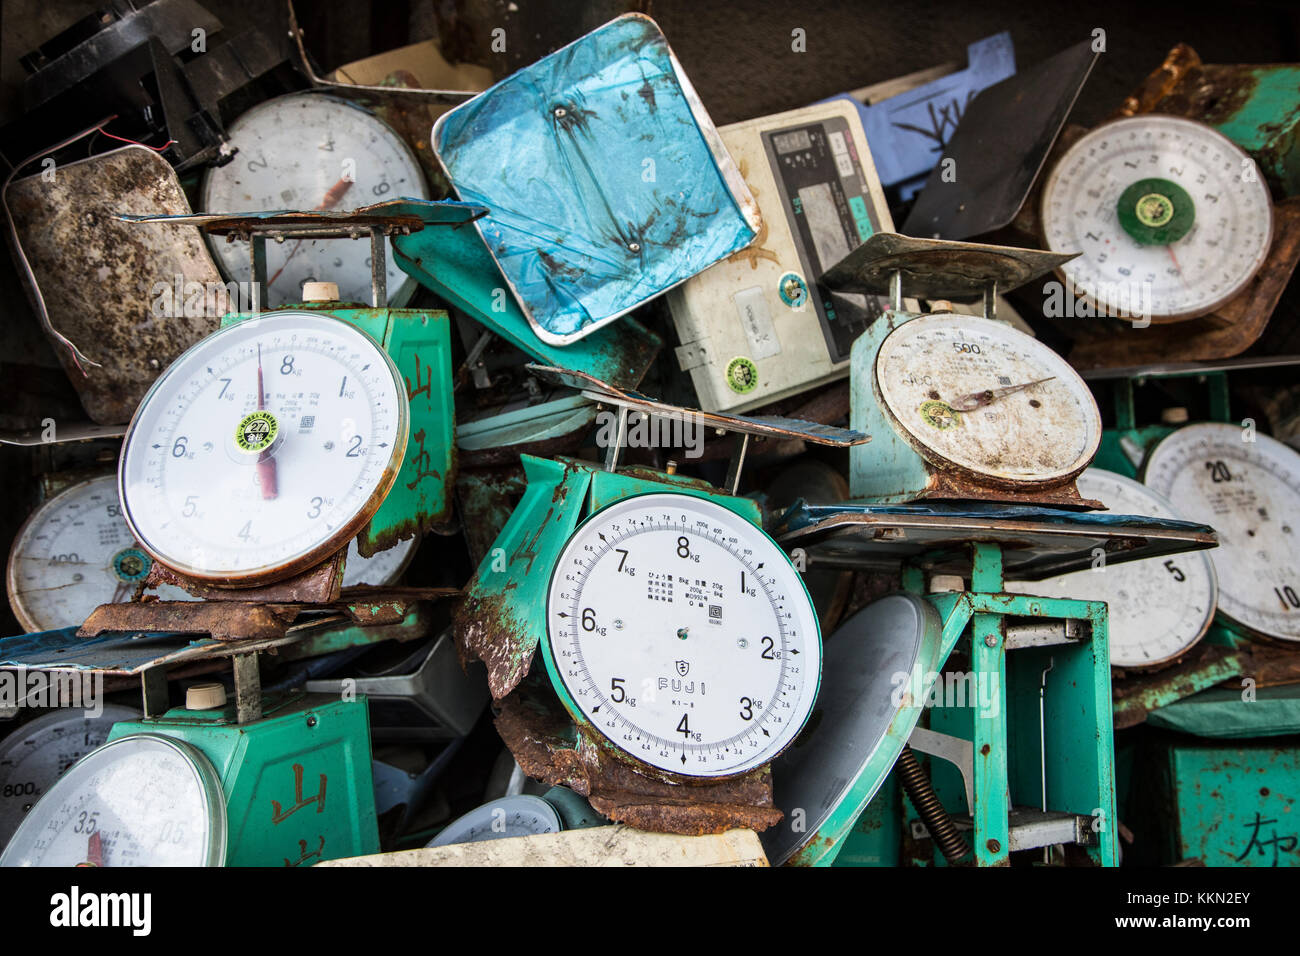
(680, 650)
(978, 433)
(1224, 472)
(250, 466)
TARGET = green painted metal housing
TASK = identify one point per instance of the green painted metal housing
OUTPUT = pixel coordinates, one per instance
(298, 783)
(455, 264)
(419, 343)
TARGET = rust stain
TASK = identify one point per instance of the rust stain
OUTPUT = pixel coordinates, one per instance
(538, 731)
(131, 297)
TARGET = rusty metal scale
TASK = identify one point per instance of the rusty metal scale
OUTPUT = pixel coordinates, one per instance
(961, 407)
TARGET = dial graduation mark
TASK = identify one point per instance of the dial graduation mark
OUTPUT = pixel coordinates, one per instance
(682, 635)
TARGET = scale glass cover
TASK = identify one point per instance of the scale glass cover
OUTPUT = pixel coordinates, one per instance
(518, 815)
(1248, 487)
(1170, 216)
(36, 752)
(1159, 608)
(682, 634)
(74, 553)
(263, 449)
(311, 152)
(985, 397)
(142, 800)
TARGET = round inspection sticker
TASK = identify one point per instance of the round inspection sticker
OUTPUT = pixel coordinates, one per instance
(256, 432)
(742, 375)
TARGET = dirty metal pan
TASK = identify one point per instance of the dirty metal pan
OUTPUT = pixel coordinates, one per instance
(1036, 542)
(397, 216)
(121, 296)
(766, 426)
(938, 268)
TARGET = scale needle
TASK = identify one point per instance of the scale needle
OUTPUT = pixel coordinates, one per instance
(968, 403)
(266, 476)
(94, 851)
(333, 195)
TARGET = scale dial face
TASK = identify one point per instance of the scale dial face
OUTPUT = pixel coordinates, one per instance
(311, 152)
(514, 816)
(1165, 211)
(1159, 607)
(226, 488)
(1031, 418)
(683, 635)
(142, 800)
(37, 752)
(1249, 492)
(73, 554)
(381, 570)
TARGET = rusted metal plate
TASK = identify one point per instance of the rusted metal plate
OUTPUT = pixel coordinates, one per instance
(1226, 332)
(130, 300)
(767, 427)
(938, 268)
(224, 620)
(1136, 694)
(316, 585)
(538, 731)
(394, 217)
(1035, 542)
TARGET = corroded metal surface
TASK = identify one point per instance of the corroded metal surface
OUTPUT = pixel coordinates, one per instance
(1228, 331)
(316, 585)
(768, 427)
(539, 733)
(938, 268)
(223, 620)
(112, 288)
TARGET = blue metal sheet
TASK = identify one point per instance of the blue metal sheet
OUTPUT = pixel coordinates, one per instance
(907, 132)
(607, 181)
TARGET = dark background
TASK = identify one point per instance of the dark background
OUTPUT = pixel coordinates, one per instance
(738, 53)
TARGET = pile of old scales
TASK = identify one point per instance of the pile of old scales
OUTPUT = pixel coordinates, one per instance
(978, 432)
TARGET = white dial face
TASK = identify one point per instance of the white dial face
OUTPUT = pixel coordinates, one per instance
(1165, 211)
(142, 800)
(1159, 607)
(983, 396)
(683, 635)
(309, 152)
(381, 570)
(75, 553)
(36, 753)
(514, 816)
(1249, 492)
(229, 485)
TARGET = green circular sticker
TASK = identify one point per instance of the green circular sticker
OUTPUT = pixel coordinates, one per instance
(1156, 212)
(131, 564)
(939, 415)
(793, 290)
(742, 375)
(256, 432)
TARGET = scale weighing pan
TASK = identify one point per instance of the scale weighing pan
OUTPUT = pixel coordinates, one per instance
(938, 268)
(608, 183)
(1036, 542)
(857, 729)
